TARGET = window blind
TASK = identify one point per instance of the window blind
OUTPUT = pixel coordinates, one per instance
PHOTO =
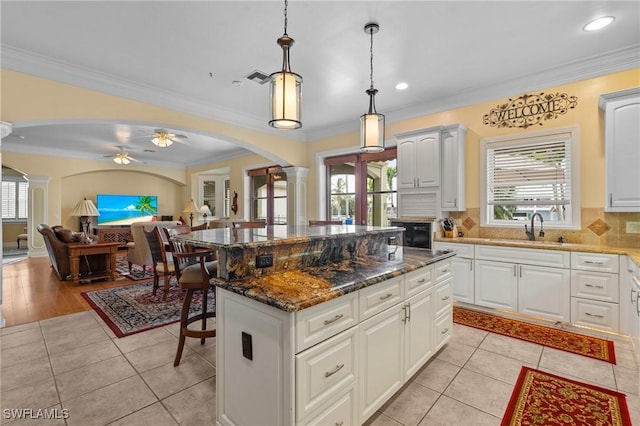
(529, 174)
(227, 197)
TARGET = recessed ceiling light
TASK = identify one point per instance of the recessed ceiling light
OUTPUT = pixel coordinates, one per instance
(402, 85)
(598, 24)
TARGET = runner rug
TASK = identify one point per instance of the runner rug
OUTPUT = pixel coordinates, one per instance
(132, 309)
(136, 274)
(576, 343)
(541, 398)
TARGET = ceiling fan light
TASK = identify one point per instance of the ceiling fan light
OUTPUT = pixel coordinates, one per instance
(162, 140)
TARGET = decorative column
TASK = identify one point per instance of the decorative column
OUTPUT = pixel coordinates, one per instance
(296, 195)
(5, 130)
(38, 213)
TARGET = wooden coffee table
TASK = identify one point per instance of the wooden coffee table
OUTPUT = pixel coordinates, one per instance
(76, 250)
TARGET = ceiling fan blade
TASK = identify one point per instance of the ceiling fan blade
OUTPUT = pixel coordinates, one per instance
(180, 136)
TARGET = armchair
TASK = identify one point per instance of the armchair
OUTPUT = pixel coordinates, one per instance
(138, 251)
(56, 240)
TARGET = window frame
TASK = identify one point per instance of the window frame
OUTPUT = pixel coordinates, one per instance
(269, 172)
(573, 219)
(17, 180)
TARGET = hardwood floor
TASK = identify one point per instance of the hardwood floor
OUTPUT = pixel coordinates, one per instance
(31, 292)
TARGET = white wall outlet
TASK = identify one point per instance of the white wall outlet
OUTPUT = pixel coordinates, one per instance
(633, 227)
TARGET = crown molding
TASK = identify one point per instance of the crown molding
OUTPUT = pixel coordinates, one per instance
(53, 69)
(595, 66)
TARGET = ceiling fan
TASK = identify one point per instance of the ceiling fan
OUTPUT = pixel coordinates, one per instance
(122, 157)
(162, 138)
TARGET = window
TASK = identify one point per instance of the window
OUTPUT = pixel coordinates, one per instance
(532, 173)
(362, 188)
(269, 195)
(214, 192)
(14, 198)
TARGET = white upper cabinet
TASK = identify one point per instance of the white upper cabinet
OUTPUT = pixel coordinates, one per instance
(419, 159)
(622, 150)
(453, 193)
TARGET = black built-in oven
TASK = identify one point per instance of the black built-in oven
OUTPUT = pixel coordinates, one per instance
(416, 234)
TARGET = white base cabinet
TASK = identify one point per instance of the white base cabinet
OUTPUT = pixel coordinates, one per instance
(462, 267)
(496, 285)
(334, 363)
(544, 292)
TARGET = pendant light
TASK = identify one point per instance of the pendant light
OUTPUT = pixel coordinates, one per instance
(286, 88)
(371, 123)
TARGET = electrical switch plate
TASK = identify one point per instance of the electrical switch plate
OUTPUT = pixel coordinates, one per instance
(264, 261)
(633, 227)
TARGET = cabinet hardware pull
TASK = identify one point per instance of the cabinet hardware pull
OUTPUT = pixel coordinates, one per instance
(445, 270)
(445, 331)
(334, 319)
(593, 315)
(637, 304)
(455, 202)
(633, 290)
(422, 280)
(386, 296)
(404, 319)
(335, 370)
(520, 271)
(340, 423)
(515, 270)
(595, 286)
(445, 298)
(593, 262)
(611, 199)
(471, 265)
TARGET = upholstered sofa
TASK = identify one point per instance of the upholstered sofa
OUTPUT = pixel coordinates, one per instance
(138, 251)
(56, 240)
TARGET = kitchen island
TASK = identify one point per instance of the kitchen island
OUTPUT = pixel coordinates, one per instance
(343, 318)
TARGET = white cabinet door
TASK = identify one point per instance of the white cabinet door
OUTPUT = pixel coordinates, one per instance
(382, 355)
(628, 298)
(419, 160)
(496, 285)
(544, 292)
(427, 157)
(418, 332)
(463, 280)
(453, 192)
(406, 154)
(622, 150)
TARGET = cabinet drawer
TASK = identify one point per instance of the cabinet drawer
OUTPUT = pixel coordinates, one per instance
(461, 249)
(378, 297)
(443, 297)
(443, 270)
(593, 313)
(327, 319)
(341, 411)
(595, 262)
(418, 280)
(540, 257)
(595, 285)
(325, 369)
(444, 326)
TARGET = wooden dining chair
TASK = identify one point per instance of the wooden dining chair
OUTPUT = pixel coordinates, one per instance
(194, 270)
(324, 222)
(162, 264)
(250, 224)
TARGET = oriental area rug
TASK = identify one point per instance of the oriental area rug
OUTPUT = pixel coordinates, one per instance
(541, 398)
(132, 309)
(576, 343)
(136, 274)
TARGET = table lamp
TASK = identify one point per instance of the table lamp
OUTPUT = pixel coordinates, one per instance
(191, 208)
(85, 209)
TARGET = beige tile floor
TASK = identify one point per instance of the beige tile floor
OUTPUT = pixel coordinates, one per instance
(76, 363)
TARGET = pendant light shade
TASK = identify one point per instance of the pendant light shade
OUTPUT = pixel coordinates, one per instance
(286, 88)
(371, 123)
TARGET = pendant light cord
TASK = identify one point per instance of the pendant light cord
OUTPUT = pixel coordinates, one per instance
(286, 4)
(371, 57)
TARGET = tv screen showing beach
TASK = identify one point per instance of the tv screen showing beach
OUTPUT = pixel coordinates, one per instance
(126, 209)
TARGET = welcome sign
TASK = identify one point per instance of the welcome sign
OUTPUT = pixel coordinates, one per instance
(529, 110)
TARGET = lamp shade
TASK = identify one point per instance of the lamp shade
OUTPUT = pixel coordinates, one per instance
(190, 207)
(205, 210)
(85, 208)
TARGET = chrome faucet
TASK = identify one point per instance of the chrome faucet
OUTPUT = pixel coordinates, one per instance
(531, 234)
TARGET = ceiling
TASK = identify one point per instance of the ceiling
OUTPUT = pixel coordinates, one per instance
(186, 55)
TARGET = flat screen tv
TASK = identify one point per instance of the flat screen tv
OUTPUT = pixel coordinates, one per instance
(117, 210)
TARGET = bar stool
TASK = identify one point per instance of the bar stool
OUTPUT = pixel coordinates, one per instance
(193, 271)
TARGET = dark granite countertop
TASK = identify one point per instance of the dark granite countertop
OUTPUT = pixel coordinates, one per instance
(276, 234)
(294, 290)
